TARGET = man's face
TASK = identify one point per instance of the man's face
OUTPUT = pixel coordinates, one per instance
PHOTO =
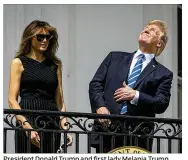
(150, 35)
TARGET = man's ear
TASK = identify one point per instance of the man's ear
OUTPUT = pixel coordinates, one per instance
(159, 44)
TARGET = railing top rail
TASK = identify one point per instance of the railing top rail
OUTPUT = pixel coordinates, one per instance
(88, 115)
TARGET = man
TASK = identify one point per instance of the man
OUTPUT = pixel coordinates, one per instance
(132, 84)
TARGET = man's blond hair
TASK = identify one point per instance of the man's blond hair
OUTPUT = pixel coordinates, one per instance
(164, 37)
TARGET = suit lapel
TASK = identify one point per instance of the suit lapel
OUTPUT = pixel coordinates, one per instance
(147, 70)
(124, 67)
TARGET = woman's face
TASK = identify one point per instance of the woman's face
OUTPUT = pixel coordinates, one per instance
(40, 40)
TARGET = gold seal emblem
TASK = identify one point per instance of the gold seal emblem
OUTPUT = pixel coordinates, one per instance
(129, 149)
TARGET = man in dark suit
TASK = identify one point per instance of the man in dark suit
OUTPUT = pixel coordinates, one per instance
(132, 84)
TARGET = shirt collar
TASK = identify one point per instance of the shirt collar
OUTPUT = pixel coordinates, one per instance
(148, 56)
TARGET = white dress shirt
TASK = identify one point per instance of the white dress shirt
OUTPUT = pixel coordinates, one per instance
(146, 60)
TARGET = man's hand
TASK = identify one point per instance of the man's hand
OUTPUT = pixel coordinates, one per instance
(124, 93)
(104, 122)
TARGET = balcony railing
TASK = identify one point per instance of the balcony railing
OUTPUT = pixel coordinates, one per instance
(165, 133)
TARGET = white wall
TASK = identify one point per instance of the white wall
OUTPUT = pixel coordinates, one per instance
(87, 33)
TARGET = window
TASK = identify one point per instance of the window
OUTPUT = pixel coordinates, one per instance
(179, 12)
(180, 40)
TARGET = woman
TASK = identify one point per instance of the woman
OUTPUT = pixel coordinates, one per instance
(37, 77)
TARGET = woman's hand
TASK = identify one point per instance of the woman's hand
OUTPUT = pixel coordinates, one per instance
(69, 139)
(35, 138)
(69, 136)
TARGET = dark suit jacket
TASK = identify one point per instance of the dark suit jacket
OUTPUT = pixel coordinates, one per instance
(153, 84)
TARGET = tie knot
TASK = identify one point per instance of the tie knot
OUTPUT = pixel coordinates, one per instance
(141, 56)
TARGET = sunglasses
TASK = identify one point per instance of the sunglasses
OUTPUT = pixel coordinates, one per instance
(41, 37)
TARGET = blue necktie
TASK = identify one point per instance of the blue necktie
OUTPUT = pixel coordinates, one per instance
(133, 77)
